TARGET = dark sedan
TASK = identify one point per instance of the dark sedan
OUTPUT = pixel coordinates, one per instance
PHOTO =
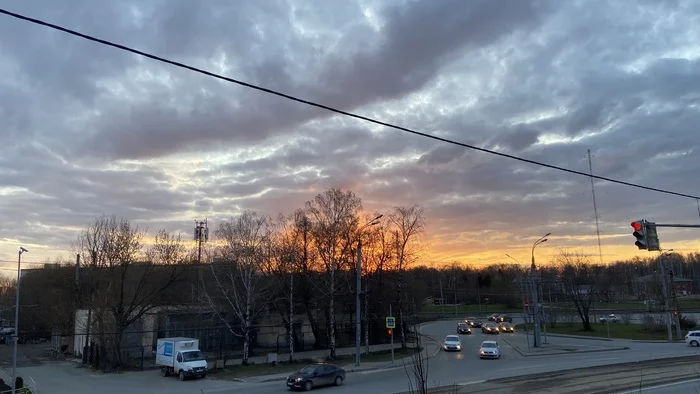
(316, 375)
(473, 322)
(463, 328)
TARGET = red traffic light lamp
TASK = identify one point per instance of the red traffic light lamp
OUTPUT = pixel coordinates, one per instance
(637, 226)
(388, 331)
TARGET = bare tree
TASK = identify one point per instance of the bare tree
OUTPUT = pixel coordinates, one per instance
(417, 369)
(289, 255)
(126, 288)
(378, 253)
(242, 284)
(578, 281)
(409, 224)
(333, 217)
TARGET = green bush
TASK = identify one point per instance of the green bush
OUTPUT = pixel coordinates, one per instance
(19, 382)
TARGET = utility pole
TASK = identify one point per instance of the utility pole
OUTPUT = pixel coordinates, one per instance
(358, 287)
(665, 291)
(537, 341)
(201, 235)
(16, 336)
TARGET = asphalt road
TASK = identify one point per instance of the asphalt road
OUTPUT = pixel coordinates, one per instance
(461, 368)
(687, 387)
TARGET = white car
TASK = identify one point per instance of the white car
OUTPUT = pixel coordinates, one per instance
(692, 338)
(611, 318)
(452, 342)
(489, 349)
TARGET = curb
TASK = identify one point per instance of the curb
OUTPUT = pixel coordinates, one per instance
(554, 352)
(586, 337)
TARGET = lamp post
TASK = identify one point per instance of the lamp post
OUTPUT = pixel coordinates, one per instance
(358, 288)
(16, 336)
(535, 297)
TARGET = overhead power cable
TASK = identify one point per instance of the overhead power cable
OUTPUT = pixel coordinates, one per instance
(331, 109)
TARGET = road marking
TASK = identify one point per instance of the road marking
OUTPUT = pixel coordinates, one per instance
(661, 386)
(378, 370)
(472, 382)
(606, 359)
(527, 366)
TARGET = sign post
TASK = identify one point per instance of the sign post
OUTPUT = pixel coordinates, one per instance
(391, 324)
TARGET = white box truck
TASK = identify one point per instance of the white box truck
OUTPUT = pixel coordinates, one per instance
(180, 356)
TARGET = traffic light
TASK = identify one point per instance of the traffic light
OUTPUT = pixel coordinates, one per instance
(388, 331)
(646, 235)
(652, 237)
(640, 232)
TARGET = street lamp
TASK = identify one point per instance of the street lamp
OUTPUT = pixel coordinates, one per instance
(358, 270)
(535, 297)
(16, 337)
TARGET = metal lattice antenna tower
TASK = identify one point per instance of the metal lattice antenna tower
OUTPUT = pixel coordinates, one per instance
(595, 207)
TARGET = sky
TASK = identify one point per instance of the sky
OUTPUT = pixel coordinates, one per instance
(88, 130)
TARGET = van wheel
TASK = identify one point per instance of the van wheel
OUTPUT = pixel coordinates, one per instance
(164, 372)
(181, 376)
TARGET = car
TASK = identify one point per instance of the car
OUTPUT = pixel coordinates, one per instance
(506, 327)
(473, 322)
(463, 328)
(316, 375)
(452, 342)
(489, 349)
(692, 338)
(504, 318)
(492, 317)
(489, 328)
(611, 318)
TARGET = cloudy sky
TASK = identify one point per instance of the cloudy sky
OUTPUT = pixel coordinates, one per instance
(87, 129)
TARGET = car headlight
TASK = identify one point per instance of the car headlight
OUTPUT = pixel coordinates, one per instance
(481, 351)
(297, 380)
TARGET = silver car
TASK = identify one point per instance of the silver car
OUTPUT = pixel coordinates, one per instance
(452, 342)
(489, 349)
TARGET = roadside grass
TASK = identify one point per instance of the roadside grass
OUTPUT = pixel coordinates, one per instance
(617, 330)
(246, 371)
(473, 309)
(684, 304)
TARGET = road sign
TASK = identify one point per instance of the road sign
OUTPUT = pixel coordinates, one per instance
(527, 304)
(391, 322)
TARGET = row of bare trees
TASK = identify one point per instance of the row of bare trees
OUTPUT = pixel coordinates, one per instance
(304, 262)
(300, 264)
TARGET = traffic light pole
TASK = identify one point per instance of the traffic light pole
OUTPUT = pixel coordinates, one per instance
(664, 288)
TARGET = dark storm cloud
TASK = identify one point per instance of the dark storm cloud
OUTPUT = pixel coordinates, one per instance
(88, 130)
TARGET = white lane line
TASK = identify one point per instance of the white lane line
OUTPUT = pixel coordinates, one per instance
(660, 386)
(379, 370)
(472, 382)
(605, 359)
(525, 367)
